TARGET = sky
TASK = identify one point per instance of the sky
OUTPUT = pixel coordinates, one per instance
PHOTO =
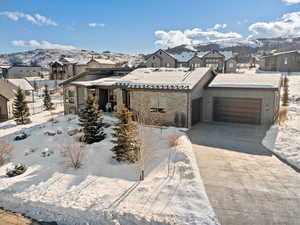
(138, 26)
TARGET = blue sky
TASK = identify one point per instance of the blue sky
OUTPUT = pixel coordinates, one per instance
(136, 26)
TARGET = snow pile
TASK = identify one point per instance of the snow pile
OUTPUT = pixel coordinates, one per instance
(102, 191)
(285, 140)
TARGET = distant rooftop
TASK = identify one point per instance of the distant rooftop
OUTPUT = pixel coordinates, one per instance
(261, 80)
(106, 81)
(163, 78)
(186, 56)
(22, 83)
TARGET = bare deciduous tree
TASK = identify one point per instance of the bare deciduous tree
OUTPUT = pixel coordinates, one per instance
(74, 153)
(144, 117)
(5, 151)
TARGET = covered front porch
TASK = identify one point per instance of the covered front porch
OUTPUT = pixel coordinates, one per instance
(103, 90)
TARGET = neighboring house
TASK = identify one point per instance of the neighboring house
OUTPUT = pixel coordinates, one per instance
(66, 68)
(98, 82)
(219, 61)
(7, 95)
(25, 86)
(281, 62)
(19, 72)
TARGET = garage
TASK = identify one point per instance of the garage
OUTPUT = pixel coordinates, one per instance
(237, 110)
(242, 98)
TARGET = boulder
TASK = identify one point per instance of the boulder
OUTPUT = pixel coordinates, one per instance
(72, 132)
(21, 136)
(50, 133)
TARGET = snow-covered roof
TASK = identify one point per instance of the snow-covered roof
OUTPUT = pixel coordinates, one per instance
(163, 78)
(22, 83)
(282, 53)
(263, 80)
(106, 81)
(186, 56)
(104, 61)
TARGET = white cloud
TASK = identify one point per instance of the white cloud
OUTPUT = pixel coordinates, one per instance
(291, 2)
(287, 26)
(41, 44)
(194, 36)
(96, 24)
(35, 18)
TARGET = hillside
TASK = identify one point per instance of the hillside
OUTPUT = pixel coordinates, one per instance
(43, 57)
(243, 47)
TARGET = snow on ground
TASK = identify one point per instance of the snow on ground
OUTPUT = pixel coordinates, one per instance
(102, 191)
(285, 140)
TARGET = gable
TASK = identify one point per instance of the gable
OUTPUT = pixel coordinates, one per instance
(161, 54)
(213, 54)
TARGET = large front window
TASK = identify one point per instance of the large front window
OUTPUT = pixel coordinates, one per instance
(158, 103)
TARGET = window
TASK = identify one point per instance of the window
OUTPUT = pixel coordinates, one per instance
(167, 64)
(230, 65)
(285, 60)
(158, 103)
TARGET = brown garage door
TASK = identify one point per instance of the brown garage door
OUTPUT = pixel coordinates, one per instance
(196, 110)
(237, 110)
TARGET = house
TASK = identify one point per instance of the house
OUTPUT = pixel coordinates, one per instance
(98, 82)
(183, 97)
(178, 96)
(66, 68)
(7, 95)
(281, 62)
(220, 61)
(167, 96)
(19, 72)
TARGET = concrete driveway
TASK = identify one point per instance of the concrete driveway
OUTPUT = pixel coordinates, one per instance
(246, 185)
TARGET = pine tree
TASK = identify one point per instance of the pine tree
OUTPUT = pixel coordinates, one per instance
(285, 96)
(125, 132)
(20, 108)
(92, 122)
(47, 99)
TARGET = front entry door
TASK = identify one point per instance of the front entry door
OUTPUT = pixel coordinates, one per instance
(103, 99)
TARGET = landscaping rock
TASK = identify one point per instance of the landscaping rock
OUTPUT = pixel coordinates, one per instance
(59, 131)
(72, 132)
(21, 136)
(50, 133)
(17, 170)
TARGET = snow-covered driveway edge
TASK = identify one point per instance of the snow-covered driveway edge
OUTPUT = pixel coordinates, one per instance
(269, 142)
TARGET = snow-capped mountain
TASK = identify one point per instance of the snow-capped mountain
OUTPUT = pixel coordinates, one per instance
(43, 57)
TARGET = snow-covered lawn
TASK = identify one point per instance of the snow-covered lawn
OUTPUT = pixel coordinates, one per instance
(102, 191)
(285, 140)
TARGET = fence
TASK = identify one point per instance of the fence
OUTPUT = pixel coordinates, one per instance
(35, 108)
